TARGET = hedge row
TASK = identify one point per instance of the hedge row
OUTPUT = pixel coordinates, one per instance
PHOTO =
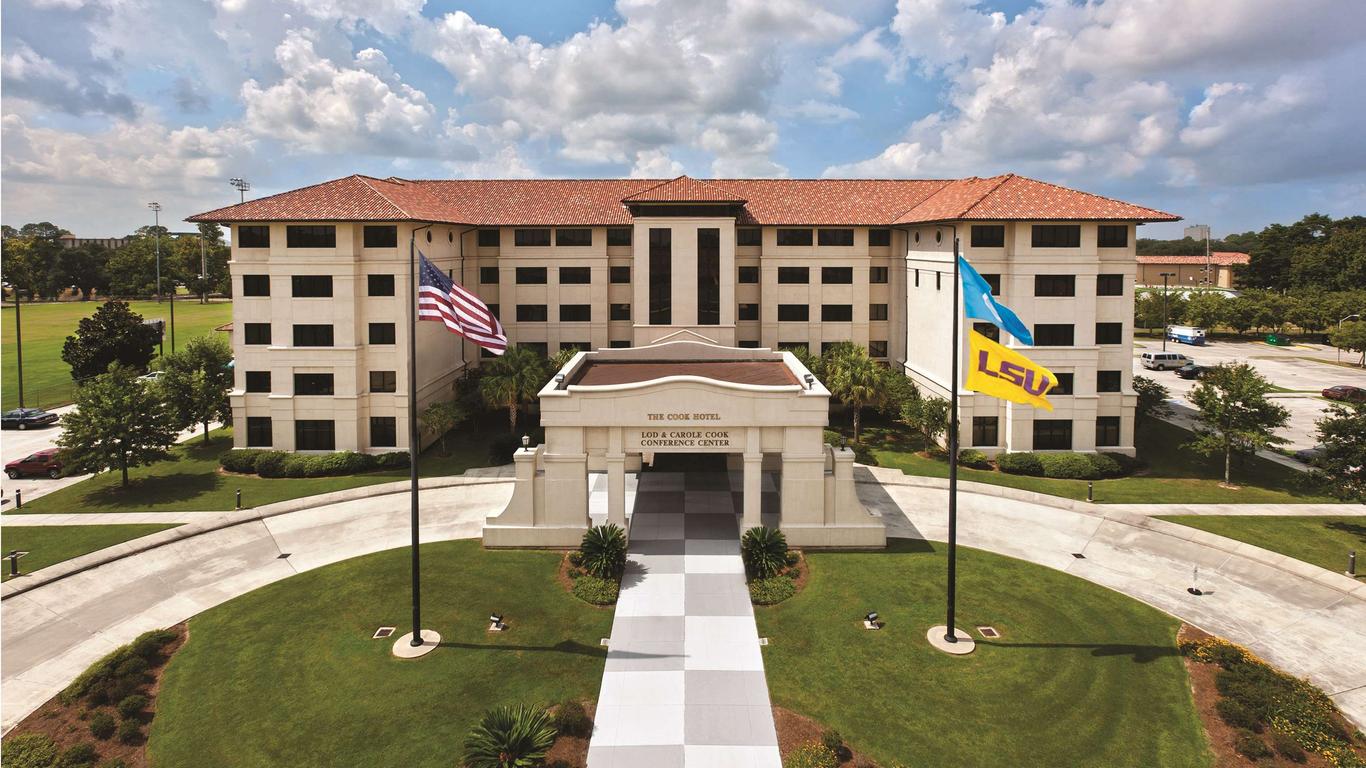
(285, 464)
(1069, 466)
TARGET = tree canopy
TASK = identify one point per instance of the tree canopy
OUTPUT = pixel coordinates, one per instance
(113, 334)
(118, 423)
(1342, 440)
(1235, 414)
(196, 381)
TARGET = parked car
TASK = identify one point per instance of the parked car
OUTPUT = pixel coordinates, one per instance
(150, 376)
(1345, 392)
(23, 418)
(1191, 371)
(1186, 334)
(44, 462)
(1164, 361)
(1307, 455)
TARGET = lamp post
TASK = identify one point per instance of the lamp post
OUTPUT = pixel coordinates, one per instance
(18, 339)
(1165, 275)
(241, 185)
(175, 285)
(156, 224)
(21, 380)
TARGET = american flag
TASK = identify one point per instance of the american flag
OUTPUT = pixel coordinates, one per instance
(440, 299)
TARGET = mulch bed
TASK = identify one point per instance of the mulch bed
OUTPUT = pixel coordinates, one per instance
(562, 576)
(572, 749)
(68, 725)
(796, 730)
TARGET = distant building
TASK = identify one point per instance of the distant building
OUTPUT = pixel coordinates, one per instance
(1189, 271)
(71, 241)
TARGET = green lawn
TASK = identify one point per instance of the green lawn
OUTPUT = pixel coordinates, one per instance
(1175, 474)
(51, 544)
(193, 482)
(1081, 676)
(47, 380)
(288, 674)
(1323, 541)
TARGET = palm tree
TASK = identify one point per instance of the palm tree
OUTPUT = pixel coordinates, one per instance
(855, 379)
(510, 737)
(512, 379)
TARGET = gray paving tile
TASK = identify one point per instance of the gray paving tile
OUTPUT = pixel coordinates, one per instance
(670, 756)
(714, 584)
(710, 526)
(736, 725)
(658, 501)
(626, 629)
(724, 688)
(706, 481)
(646, 655)
(731, 604)
(640, 563)
(660, 547)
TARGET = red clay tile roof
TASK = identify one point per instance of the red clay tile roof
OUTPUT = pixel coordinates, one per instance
(1222, 258)
(565, 202)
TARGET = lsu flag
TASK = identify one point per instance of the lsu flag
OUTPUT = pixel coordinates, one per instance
(1000, 372)
(980, 304)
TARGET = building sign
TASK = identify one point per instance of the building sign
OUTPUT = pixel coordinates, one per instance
(681, 439)
(672, 417)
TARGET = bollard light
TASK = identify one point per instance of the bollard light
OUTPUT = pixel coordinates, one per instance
(526, 442)
(1352, 563)
(1090, 491)
(19, 499)
(239, 498)
(13, 562)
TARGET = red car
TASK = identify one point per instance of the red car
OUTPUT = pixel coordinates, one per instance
(1344, 392)
(43, 462)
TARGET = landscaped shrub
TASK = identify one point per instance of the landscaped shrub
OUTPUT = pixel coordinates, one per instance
(112, 678)
(501, 448)
(78, 756)
(1127, 464)
(149, 644)
(1068, 466)
(1105, 465)
(271, 463)
(973, 459)
(132, 706)
(764, 551)
(1020, 464)
(102, 725)
(1212, 650)
(813, 755)
(392, 460)
(510, 736)
(1236, 714)
(1250, 745)
(284, 464)
(771, 590)
(576, 559)
(134, 666)
(240, 460)
(1286, 746)
(833, 741)
(30, 750)
(571, 719)
(592, 589)
(604, 551)
(130, 731)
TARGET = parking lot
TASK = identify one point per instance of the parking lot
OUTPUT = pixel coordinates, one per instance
(1305, 369)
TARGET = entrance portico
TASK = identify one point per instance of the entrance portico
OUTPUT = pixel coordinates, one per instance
(613, 411)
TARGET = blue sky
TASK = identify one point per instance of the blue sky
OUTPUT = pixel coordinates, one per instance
(1235, 113)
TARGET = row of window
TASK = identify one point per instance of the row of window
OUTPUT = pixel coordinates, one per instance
(315, 335)
(1049, 434)
(1064, 334)
(314, 236)
(319, 434)
(319, 383)
(1051, 236)
(314, 286)
(617, 236)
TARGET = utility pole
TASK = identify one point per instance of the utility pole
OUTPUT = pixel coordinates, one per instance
(241, 185)
(156, 223)
(203, 272)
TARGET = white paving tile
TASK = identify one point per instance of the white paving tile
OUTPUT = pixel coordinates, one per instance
(642, 689)
(619, 725)
(713, 756)
(713, 564)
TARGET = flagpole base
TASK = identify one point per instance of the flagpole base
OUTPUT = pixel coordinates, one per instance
(404, 648)
(938, 639)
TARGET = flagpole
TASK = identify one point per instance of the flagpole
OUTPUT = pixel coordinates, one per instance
(950, 635)
(414, 447)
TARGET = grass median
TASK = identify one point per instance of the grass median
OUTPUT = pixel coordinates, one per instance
(51, 544)
(1321, 541)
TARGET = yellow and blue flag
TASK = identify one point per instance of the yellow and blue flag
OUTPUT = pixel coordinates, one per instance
(1002, 372)
(980, 304)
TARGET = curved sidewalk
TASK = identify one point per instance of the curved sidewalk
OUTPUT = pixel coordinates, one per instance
(62, 619)
(1308, 621)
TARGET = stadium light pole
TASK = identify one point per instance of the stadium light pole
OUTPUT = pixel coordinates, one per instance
(156, 225)
(241, 185)
(1165, 275)
(19, 338)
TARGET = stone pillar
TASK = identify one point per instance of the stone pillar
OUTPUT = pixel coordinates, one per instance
(616, 480)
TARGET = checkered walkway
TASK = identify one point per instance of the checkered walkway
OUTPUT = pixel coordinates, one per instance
(684, 683)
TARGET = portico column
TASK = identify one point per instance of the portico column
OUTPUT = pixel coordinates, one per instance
(616, 480)
(753, 481)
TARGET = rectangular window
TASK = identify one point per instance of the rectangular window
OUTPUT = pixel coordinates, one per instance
(532, 313)
(749, 236)
(794, 237)
(984, 430)
(1064, 385)
(315, 435)
(792, 275)
(312, 286)
(383, 381)
(619, 274)
(576, 275)
(747, 312)
(312, 335)
(988, 236)
(488, 275)
(993, 280)
(311, 236)
(529, 238)
(531, 275)
(574, 346)
(877, 311)
(313, 384)
(380, 285)
(708, 276)
(577, 237)
(253, 236)
(794, 346)
(826, 346)
(1055, 236)
(256, 333)
(1055, 285)
(383, 432)
(1109, 333)
(877, 275)
(1053, 335)
(661, 276)
(879, 238)
(1107, 431)
(793, 312)
(495, 310)
(837, 313)
(382, 236)
(747, 343)
(576, 313)
(988, 330)
(260, 432)
(1112, 236)
(258, 381)
(1052, 434)
(620, 312)
(382, 333)
(489, 238)
(1109, 285)
(835, 237)
(747, 275)
(837, 275)
(619, 235)
(877, 349)
(620, 344)
(1108, 381)
(255, 285)
(539, 347)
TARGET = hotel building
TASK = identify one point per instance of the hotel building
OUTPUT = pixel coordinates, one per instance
(320, 279)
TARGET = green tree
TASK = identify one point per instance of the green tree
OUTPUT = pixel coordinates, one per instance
(1342, 439)
(1235, 414)
(855, 379)
(927, 415)
(1151, 312)
(1152, 401)
(897, 390)
(1205, 309)
(196, 382)
(440, 418)
(118, 423)
(1351, 336)
(1241, 313)
(512, 380)
(83, 267)
(113, 334)
(133, 268)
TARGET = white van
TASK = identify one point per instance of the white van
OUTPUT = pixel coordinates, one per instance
(1164, 361)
